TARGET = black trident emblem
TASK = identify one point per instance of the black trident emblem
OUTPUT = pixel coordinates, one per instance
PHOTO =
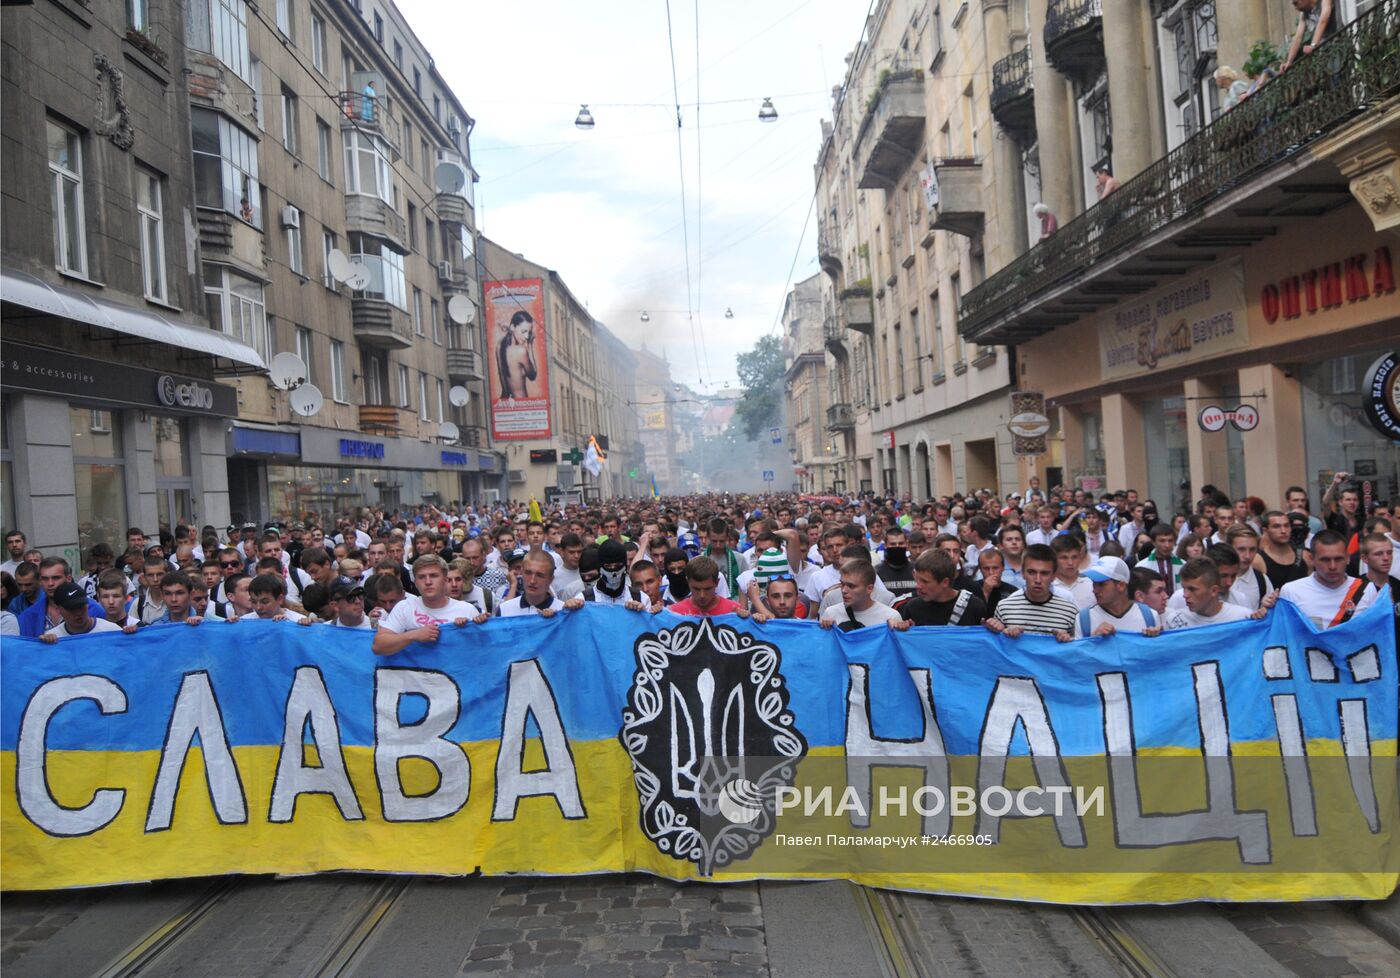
(711, 740)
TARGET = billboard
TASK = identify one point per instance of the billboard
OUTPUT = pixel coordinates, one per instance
(517, 359)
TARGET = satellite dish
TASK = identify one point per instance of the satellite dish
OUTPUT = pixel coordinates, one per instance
(306, 400)
(450, 178)
(337, 264)
(459, 396)
(357, 276)
(448, 430)
(461, 309)
(287, 372)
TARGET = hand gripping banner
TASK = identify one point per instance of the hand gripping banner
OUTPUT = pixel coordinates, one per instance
(1252, 761)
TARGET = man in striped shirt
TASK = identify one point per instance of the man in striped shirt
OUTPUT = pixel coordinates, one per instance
(1036, 608)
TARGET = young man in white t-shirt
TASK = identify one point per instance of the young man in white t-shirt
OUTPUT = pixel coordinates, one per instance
(1329, 595)
(418, 617)
(536, 598)
(1069, 583)
(1200, 584)
(1114, 611)
(267, 593)
(72, 603)
(858, 606)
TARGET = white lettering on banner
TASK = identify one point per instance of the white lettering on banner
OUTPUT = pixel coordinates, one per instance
(425, 740)
(196, 713)
(309, 702)
(528, 694)
(1178, 324)
(32, 788)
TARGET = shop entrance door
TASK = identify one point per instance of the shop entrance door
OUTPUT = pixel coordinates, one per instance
(174, 505)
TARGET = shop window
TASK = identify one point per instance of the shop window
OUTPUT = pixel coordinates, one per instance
(220, 28)
(174, 488)
(66, 199)
(235, 306)
(1168, 465)
(149, 208)
(225, 166)
(98, 468)
(1338, 436)
(7, 472)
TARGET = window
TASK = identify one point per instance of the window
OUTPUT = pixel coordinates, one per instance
(66, 192)
(918, 350)
(148, 209)
(422, 396)
(289, 120)
(323, 151)
(307, 351)
(329, 243)
(220, 27)
(898, 364)
(284, 17)
(296, 258)
(436, 319)
(378, 27)
(1187, 35)
(318, 43)
(970, 114)
(404, 399)
(426, 159)
(430, 241)
(138, 16)
(437, 107)
(337, 371)
(385, 267)
(936, 309)
(417, 311)
(235, 306)
(417, 81)
(367, 166)
(955, 281)
(412, 227)
(408, 143)
(440, 415)
(225, 167)
(255, 73)
(98, 475)
(398, 54)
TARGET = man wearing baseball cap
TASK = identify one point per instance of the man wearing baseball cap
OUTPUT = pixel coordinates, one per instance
(348, 605)
(72, 604)
(1114, 609)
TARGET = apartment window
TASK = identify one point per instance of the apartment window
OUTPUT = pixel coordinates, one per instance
(149, 209)
(936, 310)
(385, 267)
(367, 166)
(255, 76)
(441, 416)
(284, 17)
(307, 351)
(66, 191)
(422, 396)
(378, 27)
(430, 240)
(408, 144)
(296, 259)
(437, 108)
(225, 166)
(970, 114)
(138, 15)
(329, 242)
(404, 399)
(426, 158)
(323, 150)
(955, 283)
(412, 227)
(1187, 35)
(417, 311)
(289, 120)
(417, 81)
(236, 307)
(220, 27)
(918, 350)
(318, 43)
(337, 371)
(398, 54)
(898, 364)
(435, 317)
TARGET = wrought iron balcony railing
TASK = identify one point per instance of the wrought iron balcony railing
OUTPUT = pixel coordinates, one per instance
(1011, 77)
(1348, 74)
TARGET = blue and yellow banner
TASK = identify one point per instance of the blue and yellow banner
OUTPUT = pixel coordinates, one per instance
(1253, 761)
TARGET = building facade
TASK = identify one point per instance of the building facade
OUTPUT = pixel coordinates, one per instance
(1213, 319)
(805, 386)
(115, 397)
(655, 409)
(625, 473)
(913, 208)
(333, 189)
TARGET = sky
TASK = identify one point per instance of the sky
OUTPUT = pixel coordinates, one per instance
(603, 207)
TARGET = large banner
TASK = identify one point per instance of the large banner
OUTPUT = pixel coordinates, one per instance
(517, 355)
(1252, 761)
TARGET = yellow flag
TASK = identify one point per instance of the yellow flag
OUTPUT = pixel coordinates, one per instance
(535, 513)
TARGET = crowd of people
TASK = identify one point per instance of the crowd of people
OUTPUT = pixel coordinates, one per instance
(1061, 562)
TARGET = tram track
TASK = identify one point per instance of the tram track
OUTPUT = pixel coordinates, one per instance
(167, 935)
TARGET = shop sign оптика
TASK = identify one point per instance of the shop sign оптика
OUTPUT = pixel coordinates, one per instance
(1198, 316)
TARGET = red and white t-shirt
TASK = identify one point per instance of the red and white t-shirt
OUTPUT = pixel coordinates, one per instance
(411, 613)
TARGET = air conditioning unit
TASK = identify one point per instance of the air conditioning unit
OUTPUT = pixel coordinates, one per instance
(517, 475)
(291, 217)
(445, 271)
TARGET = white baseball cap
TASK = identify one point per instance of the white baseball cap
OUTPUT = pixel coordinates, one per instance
(1108, 569)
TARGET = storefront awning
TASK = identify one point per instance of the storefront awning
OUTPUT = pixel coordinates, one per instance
(26, 290)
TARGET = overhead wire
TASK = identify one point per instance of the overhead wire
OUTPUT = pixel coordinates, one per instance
(680, 160)
(699, 203)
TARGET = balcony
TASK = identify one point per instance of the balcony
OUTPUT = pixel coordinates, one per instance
(959, 193)
(463, 365)
(361, 113)
(383, 419)
(1222, 188)
(834, 337)
(452, 208)
(858, 309)
(370, 215)
(840, 417)
(223, 237)
(1074, 38)
(380, 324)
(891, 134)
(1013, 95)
(829, 248)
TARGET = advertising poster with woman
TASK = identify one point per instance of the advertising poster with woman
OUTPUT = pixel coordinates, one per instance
(517, 359)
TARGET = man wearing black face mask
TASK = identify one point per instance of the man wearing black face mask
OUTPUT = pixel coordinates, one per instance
(896, 571)
(675, 586)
